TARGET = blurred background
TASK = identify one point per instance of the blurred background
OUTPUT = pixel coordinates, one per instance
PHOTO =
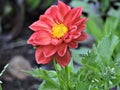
(17, 15)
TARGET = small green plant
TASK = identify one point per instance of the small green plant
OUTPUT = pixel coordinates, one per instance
(1, 74)
(99, 70)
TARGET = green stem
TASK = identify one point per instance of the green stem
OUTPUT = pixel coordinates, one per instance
(0, 87)
(52, 82)
(67, 77)
(60, 81)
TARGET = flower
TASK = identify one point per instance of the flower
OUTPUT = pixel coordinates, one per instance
(59, 29)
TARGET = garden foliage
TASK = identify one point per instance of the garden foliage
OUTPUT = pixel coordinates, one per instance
(1, 75)
(97, 68)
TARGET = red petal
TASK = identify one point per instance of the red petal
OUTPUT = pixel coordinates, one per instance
(42, 38)
(63, 8)
(72, 15)
(81, 28)
(49, 50)
(38, 53)
(81, 21)
(73, 28)
(63, 61)
(67, 39)
(73, 44)
(82, 37)
(51, 10)
(62, 49)
(40, 58)
(47, 19)
(55, 41)
(31, 39)
(74, 35)
(54, 13)
(38, 25)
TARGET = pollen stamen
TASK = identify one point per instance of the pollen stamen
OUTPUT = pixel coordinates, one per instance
(59, 30)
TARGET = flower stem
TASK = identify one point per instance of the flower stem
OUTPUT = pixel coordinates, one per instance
(67, 77)
(60, 81)
(64, 83)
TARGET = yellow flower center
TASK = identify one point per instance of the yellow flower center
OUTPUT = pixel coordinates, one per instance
(59, 30)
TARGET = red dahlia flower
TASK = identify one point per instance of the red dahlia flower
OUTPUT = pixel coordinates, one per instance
(59, 29)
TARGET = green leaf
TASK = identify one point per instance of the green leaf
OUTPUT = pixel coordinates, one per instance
(78, 54)
(47, 3)
(116, 26)
(41, 73)
(117, 53)
(84, 4)
(33, 3)
(82, 86)
(109, 26)
(70, 66)
(98, 67)
(1, 74)
(104, 5)
(0, 87)
(113, 12)
(47, 75)
(3, 70)
(94, 30)
(97, 19)
(106, 47)
(47, 86)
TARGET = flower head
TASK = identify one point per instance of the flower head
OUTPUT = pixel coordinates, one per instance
(59, 29)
